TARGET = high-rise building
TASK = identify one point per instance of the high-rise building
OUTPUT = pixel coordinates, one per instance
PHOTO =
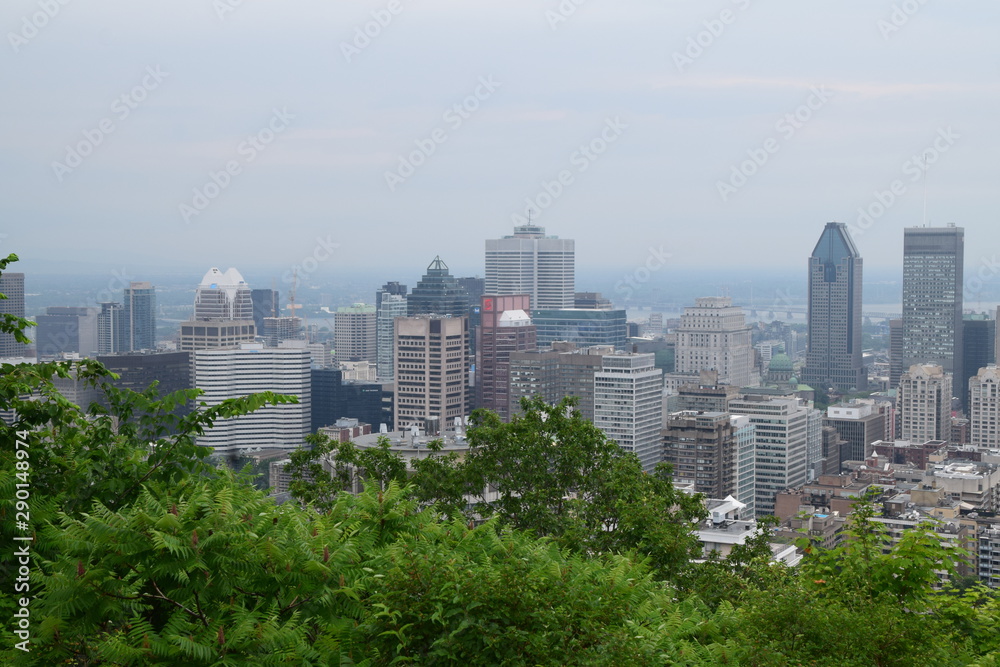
(933, 260)
(390, 307)
(701, 447)
(112, 329)
(834, 353)
(895, 352)
(391, 287)
(714, 335)
(438, 293)
(745, 434)
(984, 408)
(266, 303)
(584, 327)
(66, 329)
(628, 404)
(251, 368)
(354, 330)
(431, 359)
(979, 335)
(786, 432)
(925, 392)
(12, 286)
(279, 329)
(334, 398)
(139, 301)
(860, 424)
(552, 374)
(138, 370)
(505, 328)
(529, 262)
(223, 313)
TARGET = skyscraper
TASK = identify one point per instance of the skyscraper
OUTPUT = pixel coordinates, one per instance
(112, 329)
(265, 304)
(431, 358)
(354, 333)
(66, 329)
(984, 408)
(12, 286)
(140, 316)
(390, 307)
(223, 313)
(933, 259)
(438, 293)
(250, 368)
(506, 328)
(714, 335)
(925, 392)
(979, 335)
(628, 404)
(834, 355)
(531, 263)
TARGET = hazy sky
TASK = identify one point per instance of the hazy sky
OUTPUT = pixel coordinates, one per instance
(718, 133)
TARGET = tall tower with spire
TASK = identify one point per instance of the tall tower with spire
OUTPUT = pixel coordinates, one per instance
(438, 293)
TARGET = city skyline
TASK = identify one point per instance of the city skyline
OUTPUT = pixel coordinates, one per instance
(696, 123)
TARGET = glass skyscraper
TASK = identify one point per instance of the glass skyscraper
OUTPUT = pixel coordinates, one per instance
(140, 315)
(834, 355)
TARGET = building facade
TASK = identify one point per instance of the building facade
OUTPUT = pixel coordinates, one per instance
(12, 286)
(251, 368)
(65, 330)
(390, 307)
(584, 327)
(139, 302)
(529, 262)
(984, 408)
(714, 335)
(979, 336)
(112, 329)
(933, 274)
(925, 392)
(628, 404)
(438, 293)
(431, 359)
(354, 330)
(834, 353)
(505, 328)
(223, 313)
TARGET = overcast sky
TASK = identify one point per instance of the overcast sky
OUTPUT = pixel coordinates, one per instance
(719, 133)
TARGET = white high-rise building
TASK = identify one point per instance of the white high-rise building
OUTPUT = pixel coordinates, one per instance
(251, 368)
(984, 408)
(531, 263)
(714, 335)
(391, 307)
(925, 403)
(354, 334)
(628, 404)
(785, 433)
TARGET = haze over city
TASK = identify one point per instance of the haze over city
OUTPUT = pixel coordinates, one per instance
(195, 134)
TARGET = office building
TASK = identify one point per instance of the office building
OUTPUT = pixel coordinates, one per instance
(112, 329)
(65, 330)
(266, 303)
(933, 260)
(583, 327)
(354, 330)
(834, 352)
(529, 262)
(713, 335)
(279, 329)
(860, 424)
(786, 433)
(137, 371)
(979, 335)
(505, 328)
(12, 286)
(552, 374)
(628, 404)
(895, 352)
(223, 313)
(701, 447)
(925, 392)
(431, 359)
(390, 307)
(334, 398)
(438, 293)
(984, 408)
(139, 301)
(247, 369)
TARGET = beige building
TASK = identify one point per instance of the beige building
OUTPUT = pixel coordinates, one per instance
(925, 403)
(714, 335)
(431, 360)
(354, 331)
(984, 408)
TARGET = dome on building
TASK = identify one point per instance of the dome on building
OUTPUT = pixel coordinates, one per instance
(780, 363)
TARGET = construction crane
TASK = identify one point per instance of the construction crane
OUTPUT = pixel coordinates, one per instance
(293, 307)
